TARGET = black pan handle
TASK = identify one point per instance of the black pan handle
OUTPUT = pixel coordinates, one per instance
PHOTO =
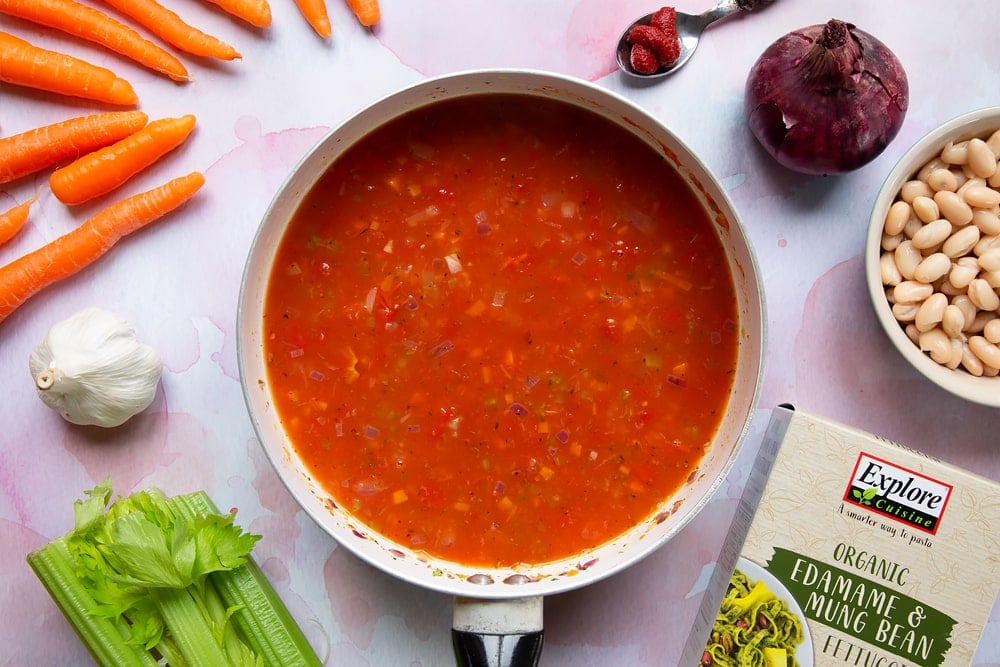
(497, 633)
(478, 650)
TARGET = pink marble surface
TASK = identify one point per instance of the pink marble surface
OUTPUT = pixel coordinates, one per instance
(178, 283)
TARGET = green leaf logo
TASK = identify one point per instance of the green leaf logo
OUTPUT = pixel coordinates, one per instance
(864, 497)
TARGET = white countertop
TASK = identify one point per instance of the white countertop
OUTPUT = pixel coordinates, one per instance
(178, 283)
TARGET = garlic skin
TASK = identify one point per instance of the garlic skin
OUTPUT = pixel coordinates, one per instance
(93, 370)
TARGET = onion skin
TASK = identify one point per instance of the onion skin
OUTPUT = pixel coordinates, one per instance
(826, 99)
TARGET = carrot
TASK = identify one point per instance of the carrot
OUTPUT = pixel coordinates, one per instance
(255, 12)
(100, 172)
(367, 11)
(25, 64)
(314, 12)
(93, 25)
(72, 252)
(172, 29)
(34, 150)
(12, 220)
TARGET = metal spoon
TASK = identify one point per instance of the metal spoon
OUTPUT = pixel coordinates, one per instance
(689, 29)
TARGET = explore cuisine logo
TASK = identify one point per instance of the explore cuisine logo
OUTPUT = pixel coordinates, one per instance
(898, 493)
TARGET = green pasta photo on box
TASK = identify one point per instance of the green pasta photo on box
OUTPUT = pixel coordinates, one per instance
(758, 624)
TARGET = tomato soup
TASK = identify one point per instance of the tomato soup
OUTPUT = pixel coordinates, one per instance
(500, 330)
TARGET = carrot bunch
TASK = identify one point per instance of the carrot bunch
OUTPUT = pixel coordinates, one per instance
(109, 149)
(92, 155)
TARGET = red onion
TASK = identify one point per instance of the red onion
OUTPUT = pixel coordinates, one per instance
(826, 99)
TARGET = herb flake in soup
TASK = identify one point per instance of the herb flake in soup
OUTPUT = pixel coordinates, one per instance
(500, 330)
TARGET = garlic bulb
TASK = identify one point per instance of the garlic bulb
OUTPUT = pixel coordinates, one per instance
(92, 369)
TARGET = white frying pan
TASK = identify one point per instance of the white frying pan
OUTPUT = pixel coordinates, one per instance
(498, 612)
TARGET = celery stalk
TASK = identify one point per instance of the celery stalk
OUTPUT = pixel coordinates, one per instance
(54, 568)
(147, 579)
(188, 627)
(264, 621)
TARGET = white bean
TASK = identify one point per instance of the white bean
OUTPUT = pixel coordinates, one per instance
(941, 179)
(981, 196)
(961, 275)
(952, 320)
(948, 289)
(911, 291)
(961, 242)
(936, 343)
(980, 158)
(911, 332)
(905, 312)
(992, 278)
(956, 354)
(889, 270)
(991, 331)
(953, 153)
(953, 207)
(987, 221)
(896, 218)
(934, 163)
(926, 209)
(969, 183)
(969, 310)
(913, 225)
(907, 259)
(994, 143)
(985, 244)
(980, 293)
(891, 242)
(932, 267)
(990, 260)
(932, 234)
(931, 312)
(912, 189)
(971, 362)
(980, 321)
(987, 352)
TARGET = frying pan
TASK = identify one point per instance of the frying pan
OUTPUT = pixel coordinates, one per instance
(498, 612)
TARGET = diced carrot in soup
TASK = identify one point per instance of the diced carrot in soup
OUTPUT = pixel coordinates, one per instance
(493, 298)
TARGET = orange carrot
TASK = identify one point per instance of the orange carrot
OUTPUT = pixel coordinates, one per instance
(367, 11)
(255, 12)
(102, 171)
(90, 24)
(25, 64)
(314, 12)
(70, 253)
(28, 152)
(12, 221)
(172, 29)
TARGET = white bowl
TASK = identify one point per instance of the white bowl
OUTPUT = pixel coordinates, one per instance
(983, 390)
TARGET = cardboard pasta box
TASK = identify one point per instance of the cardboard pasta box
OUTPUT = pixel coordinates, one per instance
(852, 550)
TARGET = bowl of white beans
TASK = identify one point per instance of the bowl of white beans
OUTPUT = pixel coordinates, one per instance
(932, 256)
